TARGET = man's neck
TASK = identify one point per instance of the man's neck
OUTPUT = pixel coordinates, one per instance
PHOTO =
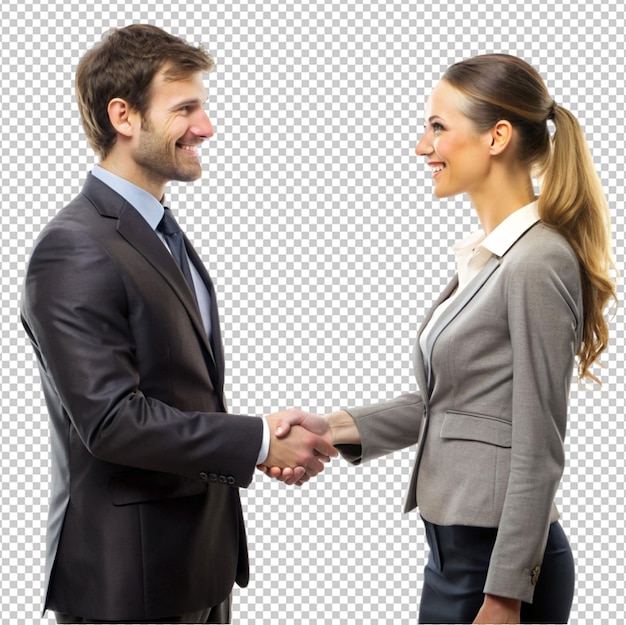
(133, 173)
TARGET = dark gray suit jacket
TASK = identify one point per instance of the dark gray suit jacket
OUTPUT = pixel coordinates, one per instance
(145, 518)
(490, 417)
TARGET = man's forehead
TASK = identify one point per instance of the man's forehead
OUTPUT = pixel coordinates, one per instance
(179, 87)
(168, 74)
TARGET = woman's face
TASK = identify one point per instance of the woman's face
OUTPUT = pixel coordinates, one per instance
(459, 156)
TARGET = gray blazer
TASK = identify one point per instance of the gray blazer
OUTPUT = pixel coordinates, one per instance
(490, 418)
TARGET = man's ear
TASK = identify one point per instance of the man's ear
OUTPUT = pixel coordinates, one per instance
(123, 118)
(501, 136)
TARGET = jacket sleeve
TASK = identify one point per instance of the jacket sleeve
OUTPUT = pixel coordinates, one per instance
(545, 317)
(385, 427)
(77, 315)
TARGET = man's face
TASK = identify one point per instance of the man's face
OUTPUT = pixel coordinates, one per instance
(167, 146)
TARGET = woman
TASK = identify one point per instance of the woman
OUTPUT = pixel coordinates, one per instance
(495, 355)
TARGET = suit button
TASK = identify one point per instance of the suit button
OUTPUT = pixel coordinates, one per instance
(212, 477)
(222, 479)
(534, 576)
(231, 480)
(204, 477)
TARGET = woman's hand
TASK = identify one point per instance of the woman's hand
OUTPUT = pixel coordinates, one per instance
(499, 610)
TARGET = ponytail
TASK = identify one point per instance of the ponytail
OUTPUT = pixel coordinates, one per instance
(573, 202)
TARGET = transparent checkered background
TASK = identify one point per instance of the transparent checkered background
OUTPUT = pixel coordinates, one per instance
(318, 224)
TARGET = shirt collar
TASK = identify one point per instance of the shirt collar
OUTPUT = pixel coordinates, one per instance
(502, 238)
(143, 202)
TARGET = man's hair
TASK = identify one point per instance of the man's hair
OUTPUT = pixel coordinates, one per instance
(123, 65)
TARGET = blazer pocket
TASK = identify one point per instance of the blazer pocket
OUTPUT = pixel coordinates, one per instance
(138, 486)
(475, 427)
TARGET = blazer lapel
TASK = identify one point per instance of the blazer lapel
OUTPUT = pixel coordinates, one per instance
(423, 364)
(453, 310)
(418, 358)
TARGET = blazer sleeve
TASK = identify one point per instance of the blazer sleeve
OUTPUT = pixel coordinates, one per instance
(385, 427)
(545, 316)
(76, 313)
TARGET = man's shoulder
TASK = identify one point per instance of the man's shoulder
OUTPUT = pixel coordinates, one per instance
(83, 212)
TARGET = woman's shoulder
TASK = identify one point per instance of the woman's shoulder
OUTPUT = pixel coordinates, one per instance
(542, 259)
(540, 245)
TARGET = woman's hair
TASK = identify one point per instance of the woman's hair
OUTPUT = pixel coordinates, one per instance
(500, 86)
(122, 66)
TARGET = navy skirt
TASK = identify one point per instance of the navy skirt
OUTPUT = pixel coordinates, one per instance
(455, 575)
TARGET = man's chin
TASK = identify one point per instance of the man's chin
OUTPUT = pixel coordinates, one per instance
(188, 175)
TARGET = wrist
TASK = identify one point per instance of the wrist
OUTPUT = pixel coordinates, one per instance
(504, 602)
(343, 428)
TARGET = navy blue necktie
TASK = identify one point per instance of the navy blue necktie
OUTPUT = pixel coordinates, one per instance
(174, 239)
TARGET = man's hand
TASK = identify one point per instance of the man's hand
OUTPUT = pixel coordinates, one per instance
(299, 445)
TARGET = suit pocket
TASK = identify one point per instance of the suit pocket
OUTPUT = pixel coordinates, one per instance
(138, 486)
(476, 427)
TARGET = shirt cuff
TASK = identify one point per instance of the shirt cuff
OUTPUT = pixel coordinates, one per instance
(265, 443)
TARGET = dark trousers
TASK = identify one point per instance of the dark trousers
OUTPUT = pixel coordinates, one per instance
(455, 575)
(217, 614)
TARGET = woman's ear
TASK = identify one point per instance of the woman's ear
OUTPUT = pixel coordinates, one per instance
(501, 136)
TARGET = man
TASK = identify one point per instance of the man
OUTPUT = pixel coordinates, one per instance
(145, 520)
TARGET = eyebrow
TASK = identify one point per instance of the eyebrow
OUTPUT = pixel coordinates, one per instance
(433, 118)
(190, 101)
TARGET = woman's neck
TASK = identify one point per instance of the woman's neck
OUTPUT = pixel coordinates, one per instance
(502, 198)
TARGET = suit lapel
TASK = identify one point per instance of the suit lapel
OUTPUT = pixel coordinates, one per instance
(216, 335)
(134, 228)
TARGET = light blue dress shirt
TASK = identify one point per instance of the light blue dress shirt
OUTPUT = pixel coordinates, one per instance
(152, 211)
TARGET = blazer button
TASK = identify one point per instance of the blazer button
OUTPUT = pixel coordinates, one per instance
(231, 480)
(222, 479)
(204, 477)
(534, 576)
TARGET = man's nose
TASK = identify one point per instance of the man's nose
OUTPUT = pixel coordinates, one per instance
(203, 127)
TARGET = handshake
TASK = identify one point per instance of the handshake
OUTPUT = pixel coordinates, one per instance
(300, 444)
